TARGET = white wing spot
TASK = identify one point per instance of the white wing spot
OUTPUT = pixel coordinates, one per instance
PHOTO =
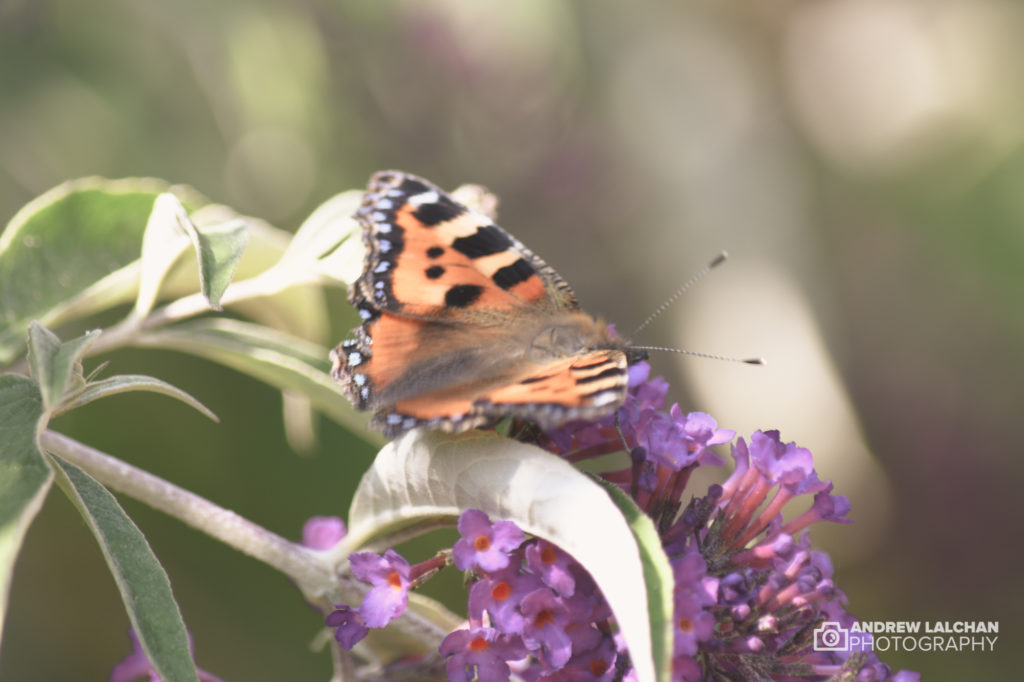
(431, 197)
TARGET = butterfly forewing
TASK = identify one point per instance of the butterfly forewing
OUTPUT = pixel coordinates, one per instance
(449, 257)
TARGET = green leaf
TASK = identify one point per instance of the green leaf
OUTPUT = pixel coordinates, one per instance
(219, 248)
(274, 357)
(56, 366)
(76, 250)
(425, 476)
(144, 586)
(69, 253)
(658, 576)
(300, 310)
(327, 243)
(25, 476)
(162, 244)
(123, 383)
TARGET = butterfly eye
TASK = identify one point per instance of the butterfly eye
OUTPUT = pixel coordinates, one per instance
(567, 339)
(557, 341)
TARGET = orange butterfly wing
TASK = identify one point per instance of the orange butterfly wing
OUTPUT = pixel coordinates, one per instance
(462, 324)
(580, 387)
(448, 258)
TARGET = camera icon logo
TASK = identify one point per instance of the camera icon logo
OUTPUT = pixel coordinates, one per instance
(831, 636)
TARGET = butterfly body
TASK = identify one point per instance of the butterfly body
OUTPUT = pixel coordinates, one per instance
(463, 325)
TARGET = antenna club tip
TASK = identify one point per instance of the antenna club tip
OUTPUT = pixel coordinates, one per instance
(718, 260)
(755, 361)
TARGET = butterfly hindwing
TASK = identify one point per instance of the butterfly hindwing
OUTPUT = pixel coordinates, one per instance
(580, 387)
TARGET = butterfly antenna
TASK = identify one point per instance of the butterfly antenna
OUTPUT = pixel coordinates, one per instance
(710, 356)
(715, 262)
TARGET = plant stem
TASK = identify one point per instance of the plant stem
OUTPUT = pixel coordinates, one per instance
(310, 571)
(125, 332)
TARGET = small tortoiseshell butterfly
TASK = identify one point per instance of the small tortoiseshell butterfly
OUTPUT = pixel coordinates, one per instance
(463, 325)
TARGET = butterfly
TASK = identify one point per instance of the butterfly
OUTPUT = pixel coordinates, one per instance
(462, 325)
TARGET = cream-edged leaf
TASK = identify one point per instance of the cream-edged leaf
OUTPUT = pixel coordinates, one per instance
(425, 476)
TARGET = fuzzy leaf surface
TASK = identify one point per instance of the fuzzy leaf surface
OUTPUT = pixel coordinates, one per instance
(25, 477)
(142, 581)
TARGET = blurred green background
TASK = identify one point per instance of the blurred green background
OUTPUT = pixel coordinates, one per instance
(861, 160)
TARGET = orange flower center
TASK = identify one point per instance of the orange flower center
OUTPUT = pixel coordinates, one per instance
(544, 617)
(482, 543)
(395, 580)
(685, 624)
(501, 591)
(547, 555)
(479, 644)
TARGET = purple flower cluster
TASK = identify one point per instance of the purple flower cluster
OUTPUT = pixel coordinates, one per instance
(389, 577)
(531, 607)
(748, 589)
(536, 607)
